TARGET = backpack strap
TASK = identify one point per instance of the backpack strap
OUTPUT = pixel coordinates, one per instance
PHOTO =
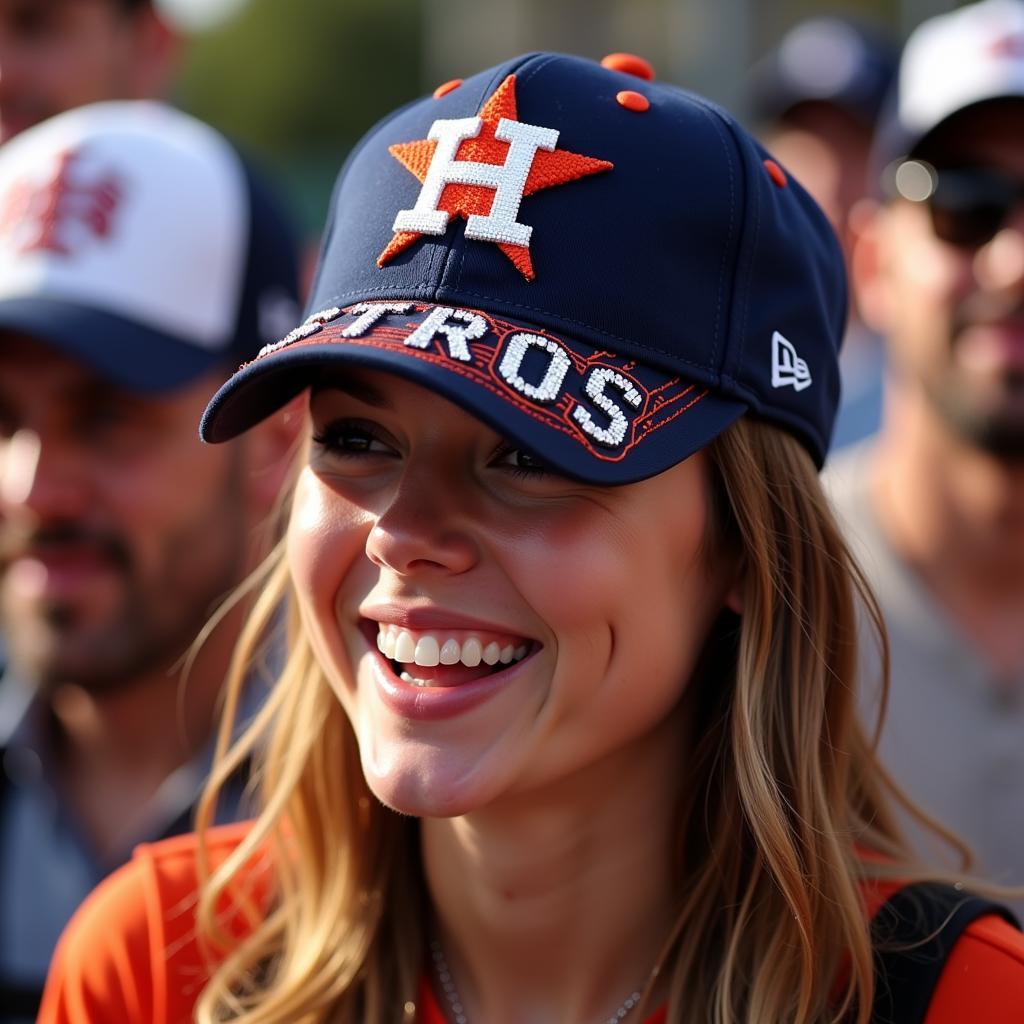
(19, 1000)
(913, 934)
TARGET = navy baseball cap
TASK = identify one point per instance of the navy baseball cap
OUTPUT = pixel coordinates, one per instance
(606, 269)
(135, 239)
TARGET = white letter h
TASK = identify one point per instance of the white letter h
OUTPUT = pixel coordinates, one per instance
(507, 179)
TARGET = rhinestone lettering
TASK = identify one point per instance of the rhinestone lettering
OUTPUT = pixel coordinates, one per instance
(310, 326)
(512, 361)
(369, 314)
(458, 337)
(615, 433)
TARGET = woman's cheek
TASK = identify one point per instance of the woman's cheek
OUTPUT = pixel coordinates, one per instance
(325, 540)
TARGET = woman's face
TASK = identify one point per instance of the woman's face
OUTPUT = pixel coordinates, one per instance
(490, 627)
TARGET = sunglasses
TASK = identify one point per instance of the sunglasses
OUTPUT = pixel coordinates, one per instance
(968, 205)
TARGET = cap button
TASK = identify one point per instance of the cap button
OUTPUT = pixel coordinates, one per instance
(447, 87)
(629, 64)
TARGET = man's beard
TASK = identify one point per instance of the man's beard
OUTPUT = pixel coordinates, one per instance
(993, 423)
(991, 430)
(155, 619)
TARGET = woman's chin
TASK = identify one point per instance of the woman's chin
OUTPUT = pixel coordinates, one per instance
(421, 787)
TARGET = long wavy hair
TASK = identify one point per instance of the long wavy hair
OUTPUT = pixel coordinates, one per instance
(784, 809)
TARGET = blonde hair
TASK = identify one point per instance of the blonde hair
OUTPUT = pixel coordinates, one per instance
(785, 814)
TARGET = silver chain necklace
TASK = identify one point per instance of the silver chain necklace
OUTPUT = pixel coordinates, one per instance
(444, 977)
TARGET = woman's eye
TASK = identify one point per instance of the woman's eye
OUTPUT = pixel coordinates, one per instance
(522, 463)
(347, 438)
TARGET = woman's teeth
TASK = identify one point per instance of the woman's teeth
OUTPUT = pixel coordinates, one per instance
(429, 650)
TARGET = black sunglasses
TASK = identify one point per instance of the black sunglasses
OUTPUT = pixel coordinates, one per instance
(968, 205)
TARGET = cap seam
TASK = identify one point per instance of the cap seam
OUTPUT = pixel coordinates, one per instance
(721, 331)
(455, 254)
(541, 62)
(745, 263)
(457, 251)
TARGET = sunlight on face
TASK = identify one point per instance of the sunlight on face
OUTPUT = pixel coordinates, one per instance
(423, 546)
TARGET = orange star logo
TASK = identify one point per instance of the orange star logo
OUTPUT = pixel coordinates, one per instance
(509, 159)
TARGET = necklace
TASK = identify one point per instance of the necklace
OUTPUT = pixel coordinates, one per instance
(444, 977)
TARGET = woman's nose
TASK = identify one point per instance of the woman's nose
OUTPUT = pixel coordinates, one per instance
(425, 527)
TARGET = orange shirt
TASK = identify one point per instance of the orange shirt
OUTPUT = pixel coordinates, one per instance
(130, 953)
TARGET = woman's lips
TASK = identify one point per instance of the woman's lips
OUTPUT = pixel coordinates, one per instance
(444, 672)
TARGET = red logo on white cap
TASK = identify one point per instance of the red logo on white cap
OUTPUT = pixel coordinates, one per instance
(39, 213)
(1011, 46)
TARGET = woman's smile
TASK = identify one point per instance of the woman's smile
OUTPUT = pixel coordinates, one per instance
(444, 659)
(483, 620)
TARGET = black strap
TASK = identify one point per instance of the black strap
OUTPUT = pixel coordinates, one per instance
(19, 1003)
(913, 934)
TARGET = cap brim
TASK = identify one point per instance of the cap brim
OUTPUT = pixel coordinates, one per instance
(896, 141)
(119, 350)
(649, 421)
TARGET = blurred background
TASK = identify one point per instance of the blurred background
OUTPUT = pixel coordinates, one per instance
(296, 82)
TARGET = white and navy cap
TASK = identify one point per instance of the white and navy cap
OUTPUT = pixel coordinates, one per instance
(950, 63)
(606, 269)
(135, 238)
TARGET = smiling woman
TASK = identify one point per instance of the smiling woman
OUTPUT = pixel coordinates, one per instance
(457, 538)
(566, 731)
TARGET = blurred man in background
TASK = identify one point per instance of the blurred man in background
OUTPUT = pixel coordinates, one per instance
(815, 99)
(935, 504)
(59, 54)
(140, 263)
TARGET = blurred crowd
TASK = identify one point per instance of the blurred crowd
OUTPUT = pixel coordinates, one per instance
(143, 257)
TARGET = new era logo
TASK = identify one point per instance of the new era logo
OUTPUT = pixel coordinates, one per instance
(788, 369)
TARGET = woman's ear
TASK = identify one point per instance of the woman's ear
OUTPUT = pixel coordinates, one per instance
(735, 583)
(734, 596)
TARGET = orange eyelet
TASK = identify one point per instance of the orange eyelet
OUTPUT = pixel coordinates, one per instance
(633, 100)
